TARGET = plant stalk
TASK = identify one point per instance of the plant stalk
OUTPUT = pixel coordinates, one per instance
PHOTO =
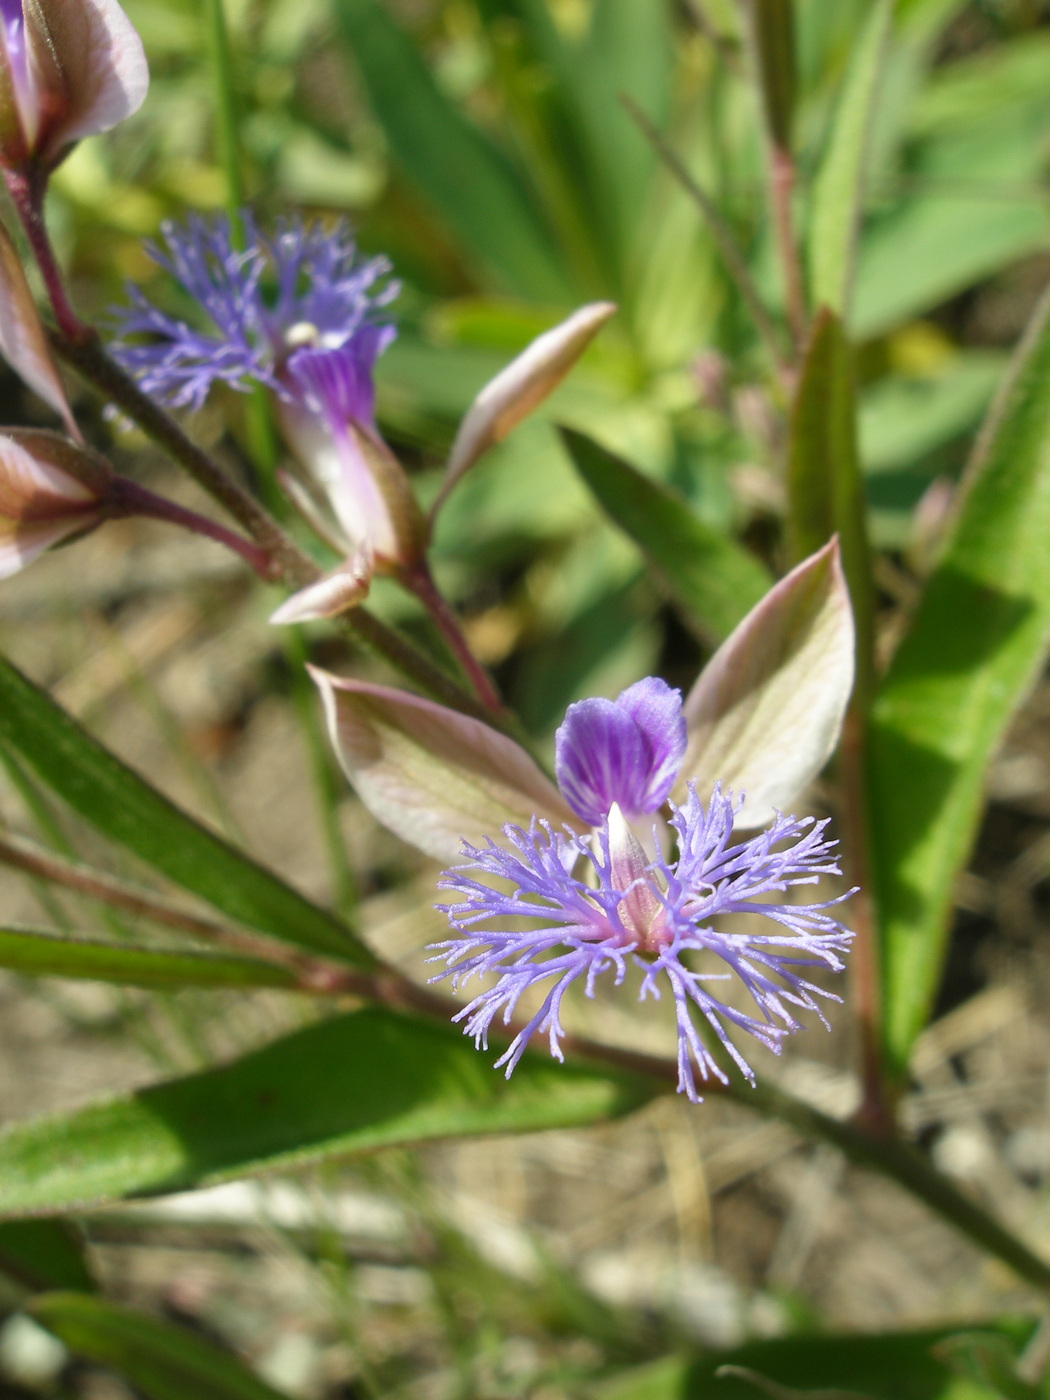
(876, 1111)
(420, 581)
(128, 498)
(781, 192)
(27, 195)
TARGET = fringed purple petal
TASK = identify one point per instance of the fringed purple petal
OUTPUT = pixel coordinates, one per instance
(338, 383)
(557, 892)
(627, 751)
(303, 286)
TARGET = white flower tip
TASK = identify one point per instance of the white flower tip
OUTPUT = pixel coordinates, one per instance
(328, 597)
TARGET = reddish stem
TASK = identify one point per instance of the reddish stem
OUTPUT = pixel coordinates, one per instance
(419, 579)
(27, 188)
(128, 498)
(781, 190)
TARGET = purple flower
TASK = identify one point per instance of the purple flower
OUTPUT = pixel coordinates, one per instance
(580, 906)
(627, 750)
(298, 312)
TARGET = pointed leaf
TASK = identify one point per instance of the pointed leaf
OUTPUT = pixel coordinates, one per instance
(519, 388)
(838, 194)
(974, 647)
(42, 1254)
(457, 168)
(352, 1084)
(772, 25)
(433, 776)
(23, 343)
(711, 578)
(161, 1361)
(124, 807)
(765, 715)
(825, 490)
(39, 953)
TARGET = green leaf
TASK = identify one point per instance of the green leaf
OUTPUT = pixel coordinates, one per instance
(904, 418)
(161, 1361)
(43, 1254)
(627, 50)
(975, 644)
(773, 41)
(129, 811)
(825, 493)
(713, 580)
(450, 161)
(39, 953)
(838, 194)
(371, 1079)
(890, 1366)
(991, 1359)
(978, 206)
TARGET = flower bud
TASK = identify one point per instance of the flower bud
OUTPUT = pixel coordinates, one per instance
(336, 592)
(68, 69)
(50, 490)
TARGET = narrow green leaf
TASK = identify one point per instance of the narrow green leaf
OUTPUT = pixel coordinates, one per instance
(42, 1254)
(352, 1084)
(38, 953)
(627, 51)
(838, 195)
(825, 491)
(773, 41)
(161, 1361)
(448, 159)
(975, 644)
(713, 580)
(128, 810)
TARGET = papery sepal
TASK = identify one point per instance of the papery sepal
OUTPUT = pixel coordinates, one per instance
(337, 592)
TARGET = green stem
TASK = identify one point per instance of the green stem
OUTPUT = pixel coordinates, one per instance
(262, 443)
(902, 1163)
(226, 126)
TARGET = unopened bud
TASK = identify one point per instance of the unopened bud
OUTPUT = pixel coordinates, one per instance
(521, 387)
(50, 490)
(337, 592)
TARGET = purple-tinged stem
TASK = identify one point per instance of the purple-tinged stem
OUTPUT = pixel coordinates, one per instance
(419, 579)
(27, 195)
(781, 191)
(129, 498)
